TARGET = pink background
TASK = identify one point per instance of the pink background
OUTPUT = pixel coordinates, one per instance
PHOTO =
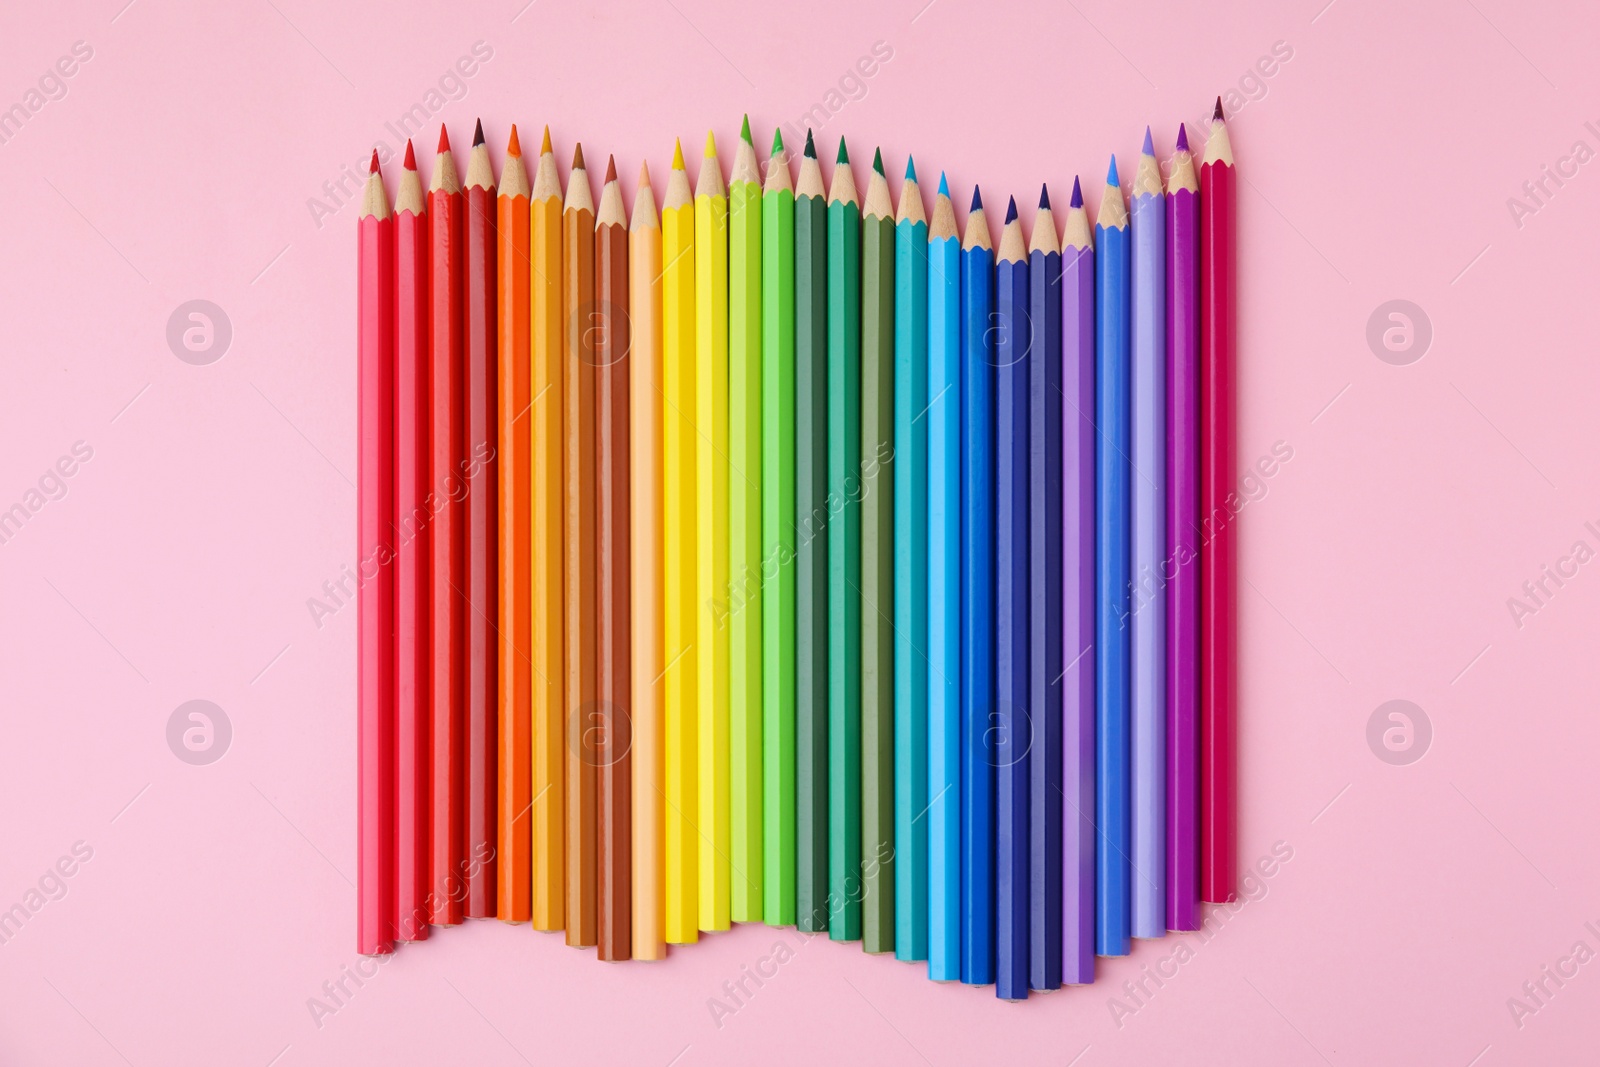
(1378, 162)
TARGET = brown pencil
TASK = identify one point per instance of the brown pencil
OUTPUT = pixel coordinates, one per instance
(577, 472)
(613, 696)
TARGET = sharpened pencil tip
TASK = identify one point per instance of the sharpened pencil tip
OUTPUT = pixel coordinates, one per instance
(811, 146)
(1044, 197)
(514, 148)
(577, 157)
(1011, 211)
(1149, 148)
(1111, 175)
(644, 172)
(744, 131)
(411, 156)
(844, 154)
(944, 186)
(777, 141)
(977, 200)
(1183, 138)
(374, 168)
(1216, 116)
(911, 168)
(545, 149)
(677, 155)
(611, 168)
(711, 145)
(877, 161)
(1077, 193)
(477, 134)
(444, 139)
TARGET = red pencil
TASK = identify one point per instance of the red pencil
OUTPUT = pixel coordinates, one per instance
(483, 555)
(1219, 829)
(447, 889)
(412, 529)
(375, 640)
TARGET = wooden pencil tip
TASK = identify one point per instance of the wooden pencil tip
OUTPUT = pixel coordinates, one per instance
(477, 134)
(1011, 211)
(744, 131)
(577, 157)
(444, 139)
(1216, 116)
(514, 148)
(611, 168)
(677, 155)
(1044, 197)
(545, 148)
(411, 156)
(811, 146)
(644, 173)
(1077, 193)
(1183, 138)
(374, 168)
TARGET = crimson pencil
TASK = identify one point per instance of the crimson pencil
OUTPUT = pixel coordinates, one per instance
(375, 700)
(483, 510)
(412, 530)
(447, 357)
(1218, 544)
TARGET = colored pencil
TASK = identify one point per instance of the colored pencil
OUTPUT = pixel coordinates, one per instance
(515, 275)
(1219, 546)
(414, 529)
(548, 631)
(1112, 401)
(977, 600)
(375, 619)
(776, 572)
(844, 554)
(1014, 724)
(812, 621)
(1044, 603)
(645, 572)
(447, 286)
(612, 699)
(1183, 523)
(1078, 440)
(577, 567)
(711, 535)
(944, 591)
(877, 564)
(741, 598)
(1148, 657)
(483, 554)
(910, 572)
(680, 441)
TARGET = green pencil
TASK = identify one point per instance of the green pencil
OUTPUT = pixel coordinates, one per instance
(877, 563)
(844, 554)
(811, 545)
(744, 610)
(777, 574)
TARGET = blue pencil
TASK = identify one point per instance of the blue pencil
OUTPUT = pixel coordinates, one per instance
(910, 572)
(977, 602)
(1015, 723)
(1111, 570)
(1045, 677)
(1077, 706)
(944, 591)
(1148, 662)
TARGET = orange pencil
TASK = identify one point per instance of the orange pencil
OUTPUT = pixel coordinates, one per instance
(645, 569)
(516, 616)
(548, 888)
(577, 454)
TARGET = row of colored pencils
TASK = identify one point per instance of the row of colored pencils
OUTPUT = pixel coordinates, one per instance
(794, 556)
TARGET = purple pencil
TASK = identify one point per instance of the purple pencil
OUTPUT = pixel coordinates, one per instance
(1077, 601)
(1183, 515)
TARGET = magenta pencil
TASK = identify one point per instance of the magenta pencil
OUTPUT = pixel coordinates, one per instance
(1077, 601)
(1183, 523)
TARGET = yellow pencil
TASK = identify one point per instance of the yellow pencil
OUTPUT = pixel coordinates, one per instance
(644, 546)
(711, 534)
(679, 445)
(549, 716)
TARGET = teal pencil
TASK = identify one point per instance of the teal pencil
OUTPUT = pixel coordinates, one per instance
(910, 572)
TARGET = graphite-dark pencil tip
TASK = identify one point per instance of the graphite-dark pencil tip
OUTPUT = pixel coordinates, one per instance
(811, 146)
(577, 157)
(444, 138)
(977, 200)
(1183, 138)
(877, 160)
(374, 168)
(477, 134)
(1044, 197)
(1011, 211)
(611, 168)
(1077, 193)
(844, 153)
(411, 156)
(1216, 116)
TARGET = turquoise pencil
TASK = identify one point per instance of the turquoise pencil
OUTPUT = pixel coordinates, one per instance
(910, 572)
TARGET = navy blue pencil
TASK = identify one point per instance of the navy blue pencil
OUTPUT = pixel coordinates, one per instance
(1045, 548)
(1113, 414)
(1015, 723)
(977, 602)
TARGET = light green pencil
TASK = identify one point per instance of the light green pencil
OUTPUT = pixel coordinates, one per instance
(745, 481)
(778, 540)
